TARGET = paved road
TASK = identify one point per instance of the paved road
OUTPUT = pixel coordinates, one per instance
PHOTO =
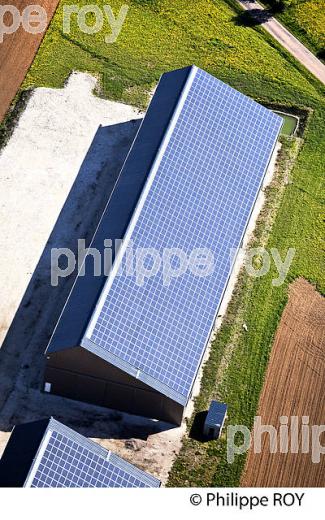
(287, 40)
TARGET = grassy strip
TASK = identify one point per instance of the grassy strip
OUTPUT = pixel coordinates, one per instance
(13, 115)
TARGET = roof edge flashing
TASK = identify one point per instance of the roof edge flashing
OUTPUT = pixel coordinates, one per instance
(38, 456)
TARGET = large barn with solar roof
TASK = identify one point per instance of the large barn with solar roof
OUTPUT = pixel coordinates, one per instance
(190, 182)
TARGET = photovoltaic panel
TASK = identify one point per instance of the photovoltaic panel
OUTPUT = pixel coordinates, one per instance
(66, 459)
(199, 194)
(216, 414)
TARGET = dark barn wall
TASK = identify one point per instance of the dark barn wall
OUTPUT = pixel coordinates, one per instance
(20, 452)
(83, 376)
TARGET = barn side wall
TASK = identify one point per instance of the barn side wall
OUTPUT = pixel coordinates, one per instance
(80, 375)
(20, 452)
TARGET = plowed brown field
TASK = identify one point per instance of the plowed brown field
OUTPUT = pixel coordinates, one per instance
(294, 386)
(17, 51)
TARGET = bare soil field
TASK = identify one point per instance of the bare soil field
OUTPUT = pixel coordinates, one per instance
(17, 52)
(294, 386)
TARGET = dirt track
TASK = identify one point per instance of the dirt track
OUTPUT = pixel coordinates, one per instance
(294, 386)
(17, 52)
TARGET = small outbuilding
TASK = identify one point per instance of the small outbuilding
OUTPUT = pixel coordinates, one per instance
(215, 420)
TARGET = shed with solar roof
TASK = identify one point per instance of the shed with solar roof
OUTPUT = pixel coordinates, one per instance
(215, 419)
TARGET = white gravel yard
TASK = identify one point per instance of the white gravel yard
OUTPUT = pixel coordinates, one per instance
(56, 173)
(38, 169)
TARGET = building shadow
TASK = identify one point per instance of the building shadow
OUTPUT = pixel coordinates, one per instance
(21, 356)
(321, 55)
(253, 17)
(196, 431)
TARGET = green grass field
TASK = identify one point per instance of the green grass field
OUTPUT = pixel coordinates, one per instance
(162, 35)
(159, 35)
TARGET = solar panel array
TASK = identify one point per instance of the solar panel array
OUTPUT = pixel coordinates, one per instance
(66, 462)
(201, 197)
(216, 413)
